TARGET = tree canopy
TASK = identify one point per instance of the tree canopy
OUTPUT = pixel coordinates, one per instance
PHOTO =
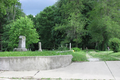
(23, 26)
(84, 23)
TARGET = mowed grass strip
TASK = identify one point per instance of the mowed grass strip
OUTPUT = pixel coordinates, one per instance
(117, 54)
(33, 53)
(77, 56)
(104, 55)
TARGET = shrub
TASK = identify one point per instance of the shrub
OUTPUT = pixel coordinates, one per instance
(76, 49)
(114, 44)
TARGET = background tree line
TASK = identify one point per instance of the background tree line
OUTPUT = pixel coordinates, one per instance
(84, 23)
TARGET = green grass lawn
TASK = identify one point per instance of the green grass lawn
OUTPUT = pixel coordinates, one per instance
(33, 53)
(77, 56)
(117, 54)
(105, 55)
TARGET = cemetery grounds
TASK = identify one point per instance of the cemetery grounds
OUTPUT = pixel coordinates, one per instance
(81, 55)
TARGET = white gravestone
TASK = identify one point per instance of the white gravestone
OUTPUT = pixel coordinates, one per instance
(40, 49)
(70, 46)
(66, 45)
(22, 44)
(22, 40)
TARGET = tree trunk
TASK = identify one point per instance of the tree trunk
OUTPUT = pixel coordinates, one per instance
(103, 47)
(103, 42)
(14, 12)
(76, 44)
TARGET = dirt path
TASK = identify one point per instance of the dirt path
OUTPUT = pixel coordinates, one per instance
(91, 59)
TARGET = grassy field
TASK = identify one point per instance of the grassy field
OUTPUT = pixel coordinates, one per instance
(33, 53)
(105, 55)
(77, 56)
(117, 54)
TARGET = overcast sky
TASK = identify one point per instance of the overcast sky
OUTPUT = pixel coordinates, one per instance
(35, 6)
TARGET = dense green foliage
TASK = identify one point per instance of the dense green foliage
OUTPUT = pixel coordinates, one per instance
(76, 49)
(62, 48)
(104, 22)
(23, 26)
(84, 23)
(115, 44)
(45, 22)
(4, 4)
(9, 12)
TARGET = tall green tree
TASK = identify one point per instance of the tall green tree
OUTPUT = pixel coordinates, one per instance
(23, 26)
(4, 4)
(14, 11)
(74, 20)
(10, 11)
(88, 6)
(45, 22)
(31, 17)
(104, 21)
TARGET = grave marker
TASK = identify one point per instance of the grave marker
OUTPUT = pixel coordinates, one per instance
(39, 46)
(70, 46)
(22, 44)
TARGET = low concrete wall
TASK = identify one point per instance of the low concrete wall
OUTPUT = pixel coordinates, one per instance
(34, 63)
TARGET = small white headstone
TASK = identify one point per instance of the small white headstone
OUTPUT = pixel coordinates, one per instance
(22, 44)
(70, 46)
(22, 40)
(61, 45)
(66, 45)
(40, 49)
